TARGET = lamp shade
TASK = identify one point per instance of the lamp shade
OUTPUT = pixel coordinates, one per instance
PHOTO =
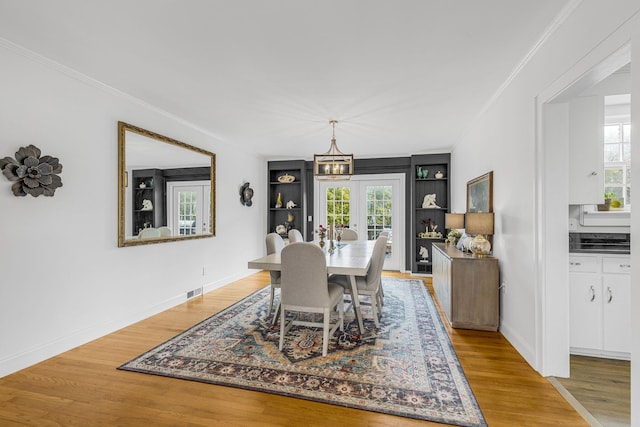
(453, 221)
(479, 222)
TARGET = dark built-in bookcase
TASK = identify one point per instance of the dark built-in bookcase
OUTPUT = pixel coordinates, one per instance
(289, 191)
(422, 186)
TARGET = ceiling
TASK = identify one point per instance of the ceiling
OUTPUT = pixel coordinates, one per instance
(266, 76)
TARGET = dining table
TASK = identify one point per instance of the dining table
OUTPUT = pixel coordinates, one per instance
(350, 258)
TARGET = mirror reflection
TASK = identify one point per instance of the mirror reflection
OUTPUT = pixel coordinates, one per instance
(166, 188)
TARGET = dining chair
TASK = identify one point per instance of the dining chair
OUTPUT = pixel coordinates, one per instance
(149, 233)
(371, 284)
(304, 288)
(274, 245)
(349, 234)
(295, 236)
(164, 231)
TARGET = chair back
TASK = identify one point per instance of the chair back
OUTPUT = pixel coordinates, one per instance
(295, 236)
(349, 234)
(164, 231)
(377, 262)
(304, 275)
(149, 233)
(274, 246)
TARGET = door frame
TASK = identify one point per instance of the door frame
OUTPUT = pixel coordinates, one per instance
(398, 213)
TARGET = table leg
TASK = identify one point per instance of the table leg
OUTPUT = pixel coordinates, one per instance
(355, 300)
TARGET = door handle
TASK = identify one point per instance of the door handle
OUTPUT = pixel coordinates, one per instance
(610, 294)
(593, 293)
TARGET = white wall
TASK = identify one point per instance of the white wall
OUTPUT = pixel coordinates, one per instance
(63, 280)
(503, 139)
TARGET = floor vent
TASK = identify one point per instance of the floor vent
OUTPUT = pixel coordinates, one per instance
(194, 293)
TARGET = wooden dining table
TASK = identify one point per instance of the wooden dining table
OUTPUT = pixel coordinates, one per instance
(350, 258)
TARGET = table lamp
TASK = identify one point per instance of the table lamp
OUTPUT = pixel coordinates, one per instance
(480, 224)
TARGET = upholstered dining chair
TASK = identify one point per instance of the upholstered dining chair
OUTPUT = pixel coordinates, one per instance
(164, 231)
(371, 284)
(304, 288)
(349, 234)
(149, 233)
(295, 236)
(274, 245)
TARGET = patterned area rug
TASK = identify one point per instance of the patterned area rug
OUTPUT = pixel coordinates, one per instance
(408, 367)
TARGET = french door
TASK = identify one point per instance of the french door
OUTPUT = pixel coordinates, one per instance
(188, 207)
(369, 205)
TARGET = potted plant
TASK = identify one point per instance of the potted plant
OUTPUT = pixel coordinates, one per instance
(608, 196)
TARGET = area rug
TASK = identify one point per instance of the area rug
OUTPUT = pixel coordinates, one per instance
(407, 367)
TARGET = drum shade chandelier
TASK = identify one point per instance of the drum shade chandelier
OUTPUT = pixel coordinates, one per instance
(333, 165)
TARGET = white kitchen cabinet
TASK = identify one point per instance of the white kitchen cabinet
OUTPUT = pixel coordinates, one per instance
(586, 150)
(600, 311)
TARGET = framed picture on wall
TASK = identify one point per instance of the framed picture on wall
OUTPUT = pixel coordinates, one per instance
(480, 193)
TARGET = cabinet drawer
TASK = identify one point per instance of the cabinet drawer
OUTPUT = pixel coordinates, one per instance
(616, 264)
(584, 263)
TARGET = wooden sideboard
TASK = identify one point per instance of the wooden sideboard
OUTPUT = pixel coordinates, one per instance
(467, 288)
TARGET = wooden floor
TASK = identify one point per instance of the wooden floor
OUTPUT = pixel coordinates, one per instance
(602, 387)
(82, 387)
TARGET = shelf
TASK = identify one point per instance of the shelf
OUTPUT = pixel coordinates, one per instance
(284, 183)
(432, 209)
(284, 209)
(431, 179)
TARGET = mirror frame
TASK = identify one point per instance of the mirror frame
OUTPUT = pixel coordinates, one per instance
(122, 184)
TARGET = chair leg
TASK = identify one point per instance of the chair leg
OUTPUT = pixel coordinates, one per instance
(282, 329)
(341, 314)
(374, 308)
(276, 315)
(273, 291)
(325, 331)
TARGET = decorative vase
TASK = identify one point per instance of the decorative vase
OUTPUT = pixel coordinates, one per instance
(439, 175)
(279, 201)
(322, 236)
(419, 172)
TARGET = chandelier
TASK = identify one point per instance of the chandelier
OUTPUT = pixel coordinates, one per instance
(333, 165)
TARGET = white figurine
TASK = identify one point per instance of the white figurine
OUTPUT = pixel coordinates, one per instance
(429, 201)
(147, 205)
(424, 252)
(291, 204)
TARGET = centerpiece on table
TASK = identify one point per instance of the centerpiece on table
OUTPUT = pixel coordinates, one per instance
(322, 233)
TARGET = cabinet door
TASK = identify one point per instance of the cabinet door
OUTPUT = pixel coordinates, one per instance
(442, 281)
(586, 150)
(585, 303)
(616, 290)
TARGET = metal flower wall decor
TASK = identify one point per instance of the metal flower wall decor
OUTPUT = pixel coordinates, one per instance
(32, 174)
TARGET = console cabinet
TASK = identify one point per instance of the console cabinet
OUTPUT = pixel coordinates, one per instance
(467, 288)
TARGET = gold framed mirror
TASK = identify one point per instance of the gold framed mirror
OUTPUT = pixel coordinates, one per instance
(166, 188)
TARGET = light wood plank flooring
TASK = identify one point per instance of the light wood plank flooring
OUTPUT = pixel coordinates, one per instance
(82, 387)
(602, 387)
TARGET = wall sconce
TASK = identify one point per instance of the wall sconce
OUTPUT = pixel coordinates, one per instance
(480, 224)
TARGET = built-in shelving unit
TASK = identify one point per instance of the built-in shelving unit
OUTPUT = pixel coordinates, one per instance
(287, 179)
(148, 184)
(423, 183)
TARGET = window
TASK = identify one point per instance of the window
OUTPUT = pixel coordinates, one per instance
(338, 205)
(379, 203)
(617, 161)
(617, 149)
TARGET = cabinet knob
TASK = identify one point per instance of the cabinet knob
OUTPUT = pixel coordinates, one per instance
(625, 265)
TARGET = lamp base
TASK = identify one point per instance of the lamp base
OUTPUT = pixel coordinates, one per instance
(480, 247)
